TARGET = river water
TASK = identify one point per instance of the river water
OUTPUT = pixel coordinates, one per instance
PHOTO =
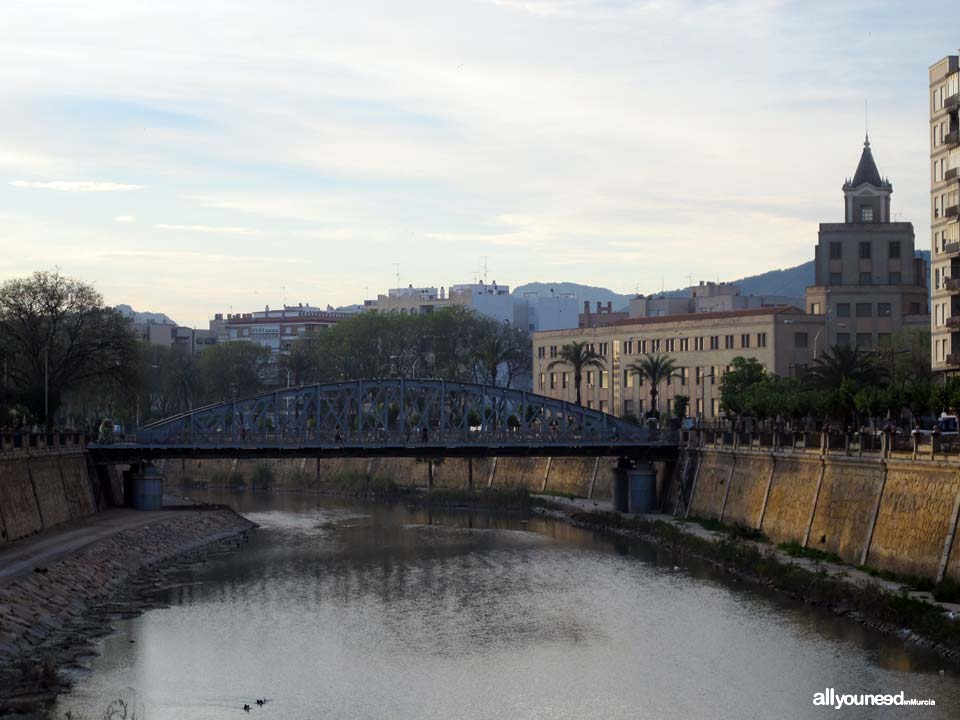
(340, 610)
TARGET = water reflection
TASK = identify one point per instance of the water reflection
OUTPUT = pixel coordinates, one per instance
(366, 611)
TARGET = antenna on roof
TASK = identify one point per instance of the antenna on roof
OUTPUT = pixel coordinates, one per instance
(484, 269)
(866, 121)
(397, 275)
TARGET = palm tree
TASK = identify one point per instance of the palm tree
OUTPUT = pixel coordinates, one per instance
(842, 362)
(656, 369)
(494, 351)
(578, 356)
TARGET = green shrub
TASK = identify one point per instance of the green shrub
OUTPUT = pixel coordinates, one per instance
(261, 476)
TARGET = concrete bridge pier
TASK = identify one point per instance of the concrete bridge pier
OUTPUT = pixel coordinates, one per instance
(143, 487)
(634, 486)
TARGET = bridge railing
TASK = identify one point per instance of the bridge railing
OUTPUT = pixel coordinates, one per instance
(36, 443)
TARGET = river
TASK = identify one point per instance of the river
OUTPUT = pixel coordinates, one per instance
(336, 609)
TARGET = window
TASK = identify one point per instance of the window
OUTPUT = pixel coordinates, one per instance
(836, 250)
(627, 379)
(698, 375)
(865, 250)
(843, 339)
(866, 215)
(553, 381)
(684, 344)
(864, 310)
(894, 249)
(553, 351)
(893, 278)
(836, 278)
(639, 407)
(761, 339)
(699, 407)
(914, 308)
(542, 352)
(541, 381)
(604, 349)
(563, 380)
(864, 340)
(843, 309)
(814, 308)
(669, 407)
(642, 347)
(628, 407)
(745, 340)
(590, 404)
(671, 344)
(714, 374)
(698, 343)
(800, 339)
(714, 342)
(590, 376)
(884, 310)
(728, 342)
(628, 347)
(603, 406)
(715, 407)
(684, 375)
(604, 379)
(656, 345)
(866, 278)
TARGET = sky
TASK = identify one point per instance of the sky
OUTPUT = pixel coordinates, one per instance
(223, 155)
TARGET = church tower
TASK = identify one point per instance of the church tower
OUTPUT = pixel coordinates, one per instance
(867, 195)
(868, 284)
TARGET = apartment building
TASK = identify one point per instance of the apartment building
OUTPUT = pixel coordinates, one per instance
(867, 279)
(944, 202)
(170, 335)
(275, 329)
(703, 345)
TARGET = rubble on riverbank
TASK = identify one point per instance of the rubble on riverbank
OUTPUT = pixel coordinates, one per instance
(50, 618)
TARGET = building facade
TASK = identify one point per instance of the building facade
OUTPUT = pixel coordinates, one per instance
(171, 335)
(275, 329)
(868, 283)
(944, 201)
(703, 345)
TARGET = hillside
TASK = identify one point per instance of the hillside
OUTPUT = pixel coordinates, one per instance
(143, 317)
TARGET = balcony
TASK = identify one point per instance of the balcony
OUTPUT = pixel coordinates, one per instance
(952, 138)
(952, 103)
(952, 284)
(951, 211)
(951, 247)
(953, 359)
(953, 322)
(951, 173)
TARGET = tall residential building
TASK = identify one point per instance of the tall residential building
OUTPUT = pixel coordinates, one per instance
(868, 283)
(276, 329)
(944, 200)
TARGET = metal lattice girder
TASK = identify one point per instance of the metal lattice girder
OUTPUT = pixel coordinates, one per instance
(390, 412)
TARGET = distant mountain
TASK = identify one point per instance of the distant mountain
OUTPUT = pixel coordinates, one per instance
(581, 292)
(143, 317)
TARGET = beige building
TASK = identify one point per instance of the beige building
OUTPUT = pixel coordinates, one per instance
(944, 201)
(703, 345)
(868, 281)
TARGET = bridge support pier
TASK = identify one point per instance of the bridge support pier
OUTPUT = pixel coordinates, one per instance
(634, 487)
(143, 487)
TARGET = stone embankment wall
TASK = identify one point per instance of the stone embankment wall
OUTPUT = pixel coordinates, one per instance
(890, 514)
(42, 490)
(584, 477)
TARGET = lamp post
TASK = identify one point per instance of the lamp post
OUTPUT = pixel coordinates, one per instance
(703, 403)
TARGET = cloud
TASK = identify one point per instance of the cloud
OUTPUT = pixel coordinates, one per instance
(76, 186)
(125, 218)
(212, 229)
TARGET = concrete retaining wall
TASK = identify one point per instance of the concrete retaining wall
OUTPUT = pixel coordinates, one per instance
(37, 492)
(895, 514)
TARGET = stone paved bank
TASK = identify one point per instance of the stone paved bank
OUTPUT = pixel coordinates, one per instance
(47, 618)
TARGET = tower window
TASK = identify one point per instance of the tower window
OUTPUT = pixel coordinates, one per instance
(866, 214)
(865, 246)
(836, 250)
(894, 248)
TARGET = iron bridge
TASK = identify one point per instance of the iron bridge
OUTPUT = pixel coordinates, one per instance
(396, 418)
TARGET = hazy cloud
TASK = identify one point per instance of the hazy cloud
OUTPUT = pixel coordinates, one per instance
(125, 218)
(212, 229)
(76, 186)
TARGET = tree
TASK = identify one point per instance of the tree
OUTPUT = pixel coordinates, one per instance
(656, 369)
(744, 373)
(233, 369)
(493, 352)
(842, 362)
(578, 357)
(680, 405)
(56, 336)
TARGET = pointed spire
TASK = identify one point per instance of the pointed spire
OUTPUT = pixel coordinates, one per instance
(867, 169)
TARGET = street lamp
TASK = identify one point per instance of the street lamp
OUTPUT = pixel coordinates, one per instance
(703, 404)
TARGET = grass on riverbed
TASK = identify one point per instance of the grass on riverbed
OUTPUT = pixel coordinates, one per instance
(813, 587)
(741, 532)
